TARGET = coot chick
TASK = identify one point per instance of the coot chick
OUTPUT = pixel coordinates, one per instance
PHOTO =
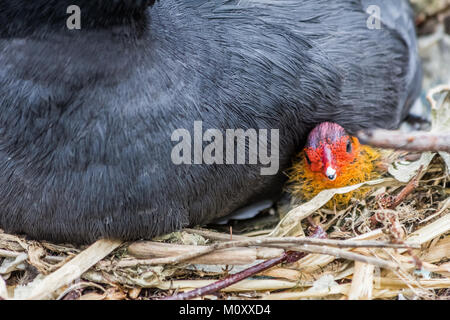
(87, 116)
(333, 159)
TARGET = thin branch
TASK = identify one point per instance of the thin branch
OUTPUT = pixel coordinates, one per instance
(343, 254)
(411, 141)
(407, 190)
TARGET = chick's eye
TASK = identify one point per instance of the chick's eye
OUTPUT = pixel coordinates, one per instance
(349, 146)
(307, 158)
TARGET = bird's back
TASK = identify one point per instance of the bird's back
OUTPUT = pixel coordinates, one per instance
(399, 16)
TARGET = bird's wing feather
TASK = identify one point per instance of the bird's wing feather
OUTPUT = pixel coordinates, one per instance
(398, 15)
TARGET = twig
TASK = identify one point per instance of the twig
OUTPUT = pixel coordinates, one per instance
(407, 190)
(411, 141)
(344, 254)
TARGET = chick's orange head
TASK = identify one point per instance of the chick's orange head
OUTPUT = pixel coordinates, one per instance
(329, 150)
(332, 159)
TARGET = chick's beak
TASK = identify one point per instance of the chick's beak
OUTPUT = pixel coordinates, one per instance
(331, 173)
(329, 163)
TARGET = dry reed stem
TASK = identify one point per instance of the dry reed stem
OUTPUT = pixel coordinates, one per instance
(71, 270)
(431, 231)
(9, 254)
(362, 282)
(234, 256)
(310, 245)
(242, 286)
(438, 252)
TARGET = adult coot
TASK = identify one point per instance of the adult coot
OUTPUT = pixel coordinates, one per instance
(88, 115)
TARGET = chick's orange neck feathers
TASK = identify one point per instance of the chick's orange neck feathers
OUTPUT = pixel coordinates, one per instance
(332, 159)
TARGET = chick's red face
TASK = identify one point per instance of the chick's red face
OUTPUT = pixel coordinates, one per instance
(329, 149)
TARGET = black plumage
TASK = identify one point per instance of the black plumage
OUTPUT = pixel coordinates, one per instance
(87, 115)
